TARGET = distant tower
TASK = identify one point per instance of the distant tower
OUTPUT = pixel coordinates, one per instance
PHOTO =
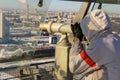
(60, 14)
(4, 29)
(27, 7)
(25, 2)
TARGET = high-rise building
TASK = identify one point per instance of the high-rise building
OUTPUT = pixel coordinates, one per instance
(60, 14)
(4, 29)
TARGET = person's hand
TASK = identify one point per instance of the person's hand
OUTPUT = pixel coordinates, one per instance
(77, 32)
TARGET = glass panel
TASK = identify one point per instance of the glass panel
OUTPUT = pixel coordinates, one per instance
(19, 22)
(19, 25)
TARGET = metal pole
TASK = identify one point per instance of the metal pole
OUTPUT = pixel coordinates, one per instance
(82, 11)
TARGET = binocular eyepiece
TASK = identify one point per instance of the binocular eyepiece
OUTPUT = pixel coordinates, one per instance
(40, 3)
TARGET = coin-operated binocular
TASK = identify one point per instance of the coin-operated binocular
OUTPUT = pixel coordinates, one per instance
(63, 45)
(61, 49)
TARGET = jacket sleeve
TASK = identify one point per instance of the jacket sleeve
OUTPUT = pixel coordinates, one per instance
(79, 61)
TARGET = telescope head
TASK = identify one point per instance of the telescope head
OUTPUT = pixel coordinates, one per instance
(52, 27)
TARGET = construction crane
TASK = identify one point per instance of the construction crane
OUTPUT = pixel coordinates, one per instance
(25, 2)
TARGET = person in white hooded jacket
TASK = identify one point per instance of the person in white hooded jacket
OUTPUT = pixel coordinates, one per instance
(100, 60)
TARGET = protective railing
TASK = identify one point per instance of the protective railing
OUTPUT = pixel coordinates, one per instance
(28, 70)
(38, 69)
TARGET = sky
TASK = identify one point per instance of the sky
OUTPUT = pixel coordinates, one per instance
(64, 5)
(53, 5)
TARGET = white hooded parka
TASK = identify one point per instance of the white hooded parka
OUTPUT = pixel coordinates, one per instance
(101, 59)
